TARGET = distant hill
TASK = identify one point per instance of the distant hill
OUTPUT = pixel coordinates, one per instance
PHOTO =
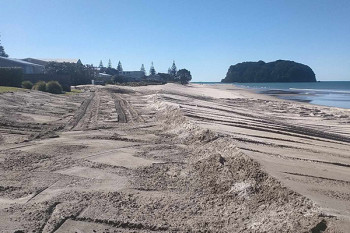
(277, 71)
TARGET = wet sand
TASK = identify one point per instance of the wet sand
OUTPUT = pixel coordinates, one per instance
(172, 158)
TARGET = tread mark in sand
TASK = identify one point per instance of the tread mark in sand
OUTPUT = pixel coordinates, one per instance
(80, 112)
(118, 106)
(284, 127)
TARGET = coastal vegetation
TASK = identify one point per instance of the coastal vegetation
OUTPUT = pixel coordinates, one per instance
(40, 86)
(184, 76)
(27, 85)
(277, 71)
(69, 74)
(78, 73)
(174, 75)
(152, 71)
(54, 87)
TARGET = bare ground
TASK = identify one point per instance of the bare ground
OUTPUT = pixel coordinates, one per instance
(171, 159)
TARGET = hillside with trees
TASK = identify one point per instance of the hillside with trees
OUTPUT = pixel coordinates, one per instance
(277, 71)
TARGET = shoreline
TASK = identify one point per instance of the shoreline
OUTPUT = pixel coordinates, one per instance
(286, 95)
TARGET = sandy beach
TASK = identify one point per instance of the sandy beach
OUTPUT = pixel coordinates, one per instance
(172, 158)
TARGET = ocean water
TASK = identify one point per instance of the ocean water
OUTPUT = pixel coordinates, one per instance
(327, 93)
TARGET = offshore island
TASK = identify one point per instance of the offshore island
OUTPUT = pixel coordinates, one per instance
(277, 71)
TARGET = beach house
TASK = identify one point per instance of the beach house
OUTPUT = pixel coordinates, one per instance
(28, 67)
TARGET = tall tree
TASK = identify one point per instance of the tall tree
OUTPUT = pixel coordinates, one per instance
(143, 69)
(152, 71)
(184, 76)
(101, 64)
(120, 67)
(2, 51)
(109, 63)
(173, 69)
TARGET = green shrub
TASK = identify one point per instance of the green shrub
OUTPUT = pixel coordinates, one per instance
(40, 86)
(54, 87)
(11, 77)
(63, 79)
(27, 84)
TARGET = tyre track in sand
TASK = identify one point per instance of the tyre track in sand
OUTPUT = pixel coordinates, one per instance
(285, 140)
(120, 110)
(95, 111)
(80, 113)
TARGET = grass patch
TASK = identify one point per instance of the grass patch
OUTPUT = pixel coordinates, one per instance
(73, 92)
(4, 89)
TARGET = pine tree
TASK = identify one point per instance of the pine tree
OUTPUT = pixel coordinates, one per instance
(152, 71)
(101, 64)
(120, 67)
(143, 69)
(173, 69)
(79, 62)
(2, 51)
(109, 63)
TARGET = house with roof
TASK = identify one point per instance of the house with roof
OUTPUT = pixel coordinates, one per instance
(27, 67)
(44, 62)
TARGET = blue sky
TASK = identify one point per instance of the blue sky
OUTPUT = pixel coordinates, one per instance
(206, 37)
